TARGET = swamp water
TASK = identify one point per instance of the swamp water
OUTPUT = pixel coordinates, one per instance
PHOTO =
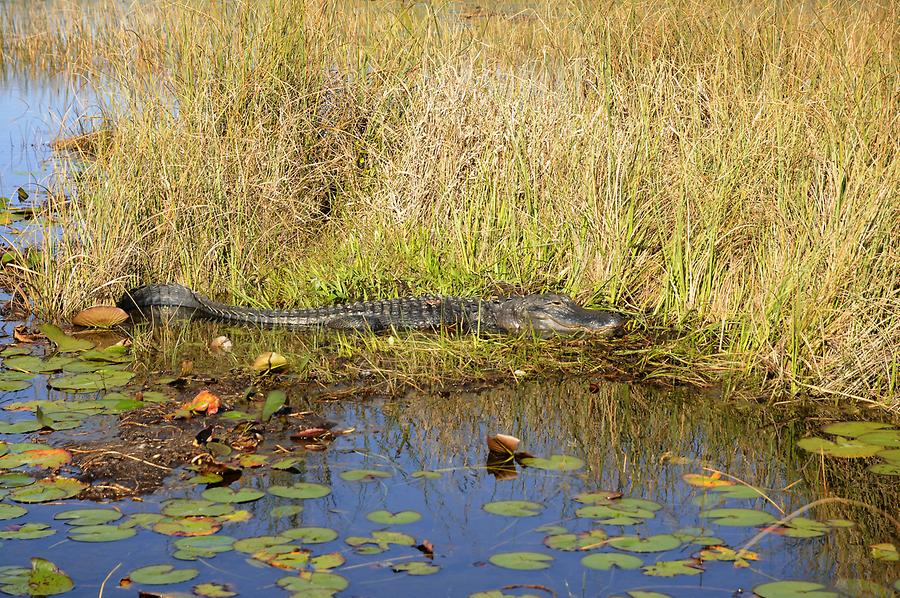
(629, 490)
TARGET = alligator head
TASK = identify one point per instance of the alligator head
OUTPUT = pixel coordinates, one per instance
(547, 315)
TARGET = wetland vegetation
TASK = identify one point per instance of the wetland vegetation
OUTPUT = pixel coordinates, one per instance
(726, 174)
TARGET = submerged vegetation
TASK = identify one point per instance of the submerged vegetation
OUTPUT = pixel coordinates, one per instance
(726, 170)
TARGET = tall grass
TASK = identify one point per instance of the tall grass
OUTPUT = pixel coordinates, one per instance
(726, 169)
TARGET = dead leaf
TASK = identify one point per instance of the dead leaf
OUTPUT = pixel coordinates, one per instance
(204, 402)
(427, 548)
(502, 443)
(221, 344)
(100, 316)
(269, 361)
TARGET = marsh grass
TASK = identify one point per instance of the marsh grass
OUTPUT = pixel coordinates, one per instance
(727, 172)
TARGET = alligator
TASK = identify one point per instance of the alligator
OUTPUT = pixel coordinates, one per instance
(538, 314)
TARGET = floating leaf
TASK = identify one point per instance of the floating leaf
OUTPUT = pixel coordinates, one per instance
(738, 517)
(586, 541)
(882, 438)
(15, 479)
(258, 543)
(885, 468)
(64, 343)
(100, 533)
(521, 561)
(657, 543)
(884, 552)
(737, 491)
(388, 518)
(252, 460)
(185, 507)
(286, 511)
(162, 574)
(673, 568)
(364, 475)
(269, 362)
(50, 458)
(300, 490)
(100, 380)
(502, 443)
(626, 511)
(513, 508)
(11, 511)
(295, 558)
(192, 548)
(44, 579)
(227, 495)
(48, 489)
(37, 365)
(20, 427)
(88, 516)
(187, 526)
(849, 449)
(214, 590)
(327, 561)
(740, 558)
(275, 400)
(100, 316)
(415, 568)
(793, 589)
(310, 535)
(853, 429)
(316, 584)
(706, 481)
(554, 463)
(28, 531)
(605, 561)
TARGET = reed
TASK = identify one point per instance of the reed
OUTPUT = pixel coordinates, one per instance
(727, 171)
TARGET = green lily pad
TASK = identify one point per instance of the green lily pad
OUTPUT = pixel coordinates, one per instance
(415, 568)
(274, 401)
(36, 365)
(113, 354)
(605, 561)
(214, 590)
(673, 568)
(793, 589)
(364, 475)
(388, 518)
(192, 548)
(657, 543)
(287, 463)
(849, 449)
(227, 495)
(48, 457)
(257, 543)
(48, 489)
(310, 535)
(43, 579)
(737, 491)
(570, 542)
(88, 382)
(100, 533)
(187, 526)
(323, 562)
(161, 575)
(28, 531)
(88, 516)
(186, 507)
(300, 490)
(65, 343)
(286, 511)
(738, 517)
(885, 468)
(884, 552)
(143, 520)
(882, 438)
(13, 385)
(313, 585)
(15, 479)
(853, 429)
(20, 427)
(11, 511)
(522, 561)
(554, 463)
(514, 508)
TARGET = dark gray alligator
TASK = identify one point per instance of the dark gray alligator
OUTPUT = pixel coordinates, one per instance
(543, 315)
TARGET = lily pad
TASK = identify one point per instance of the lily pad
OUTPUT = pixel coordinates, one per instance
(275, 400)
(849, 449)
(673, 568)
(227, 495)
(738, 517)
(192, 548)
(657, 543)
(554, 463)
(48, 489)
(88, 516)
(323, 562)
(15, 479)
(186, 507)
(161, 575)
(522, 561)
(286, 511)
(257, 543)
(605, 561)
(100, 533)
(315, 584)
(11, 511)
(882, 438)
(364, 475)
(300, 490)
(100, 380)
(885, 468)
(20, 427)
(388, 518)
(28, 531)
(100, 316)
(569, 542)
(415, 568)
(853, 429)
(514, 508)
(187, 526)
(44, 579)
(310, 535)
(214, 590)
(65, 343)
(50, 458)
(793, 589)
(36, 365)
